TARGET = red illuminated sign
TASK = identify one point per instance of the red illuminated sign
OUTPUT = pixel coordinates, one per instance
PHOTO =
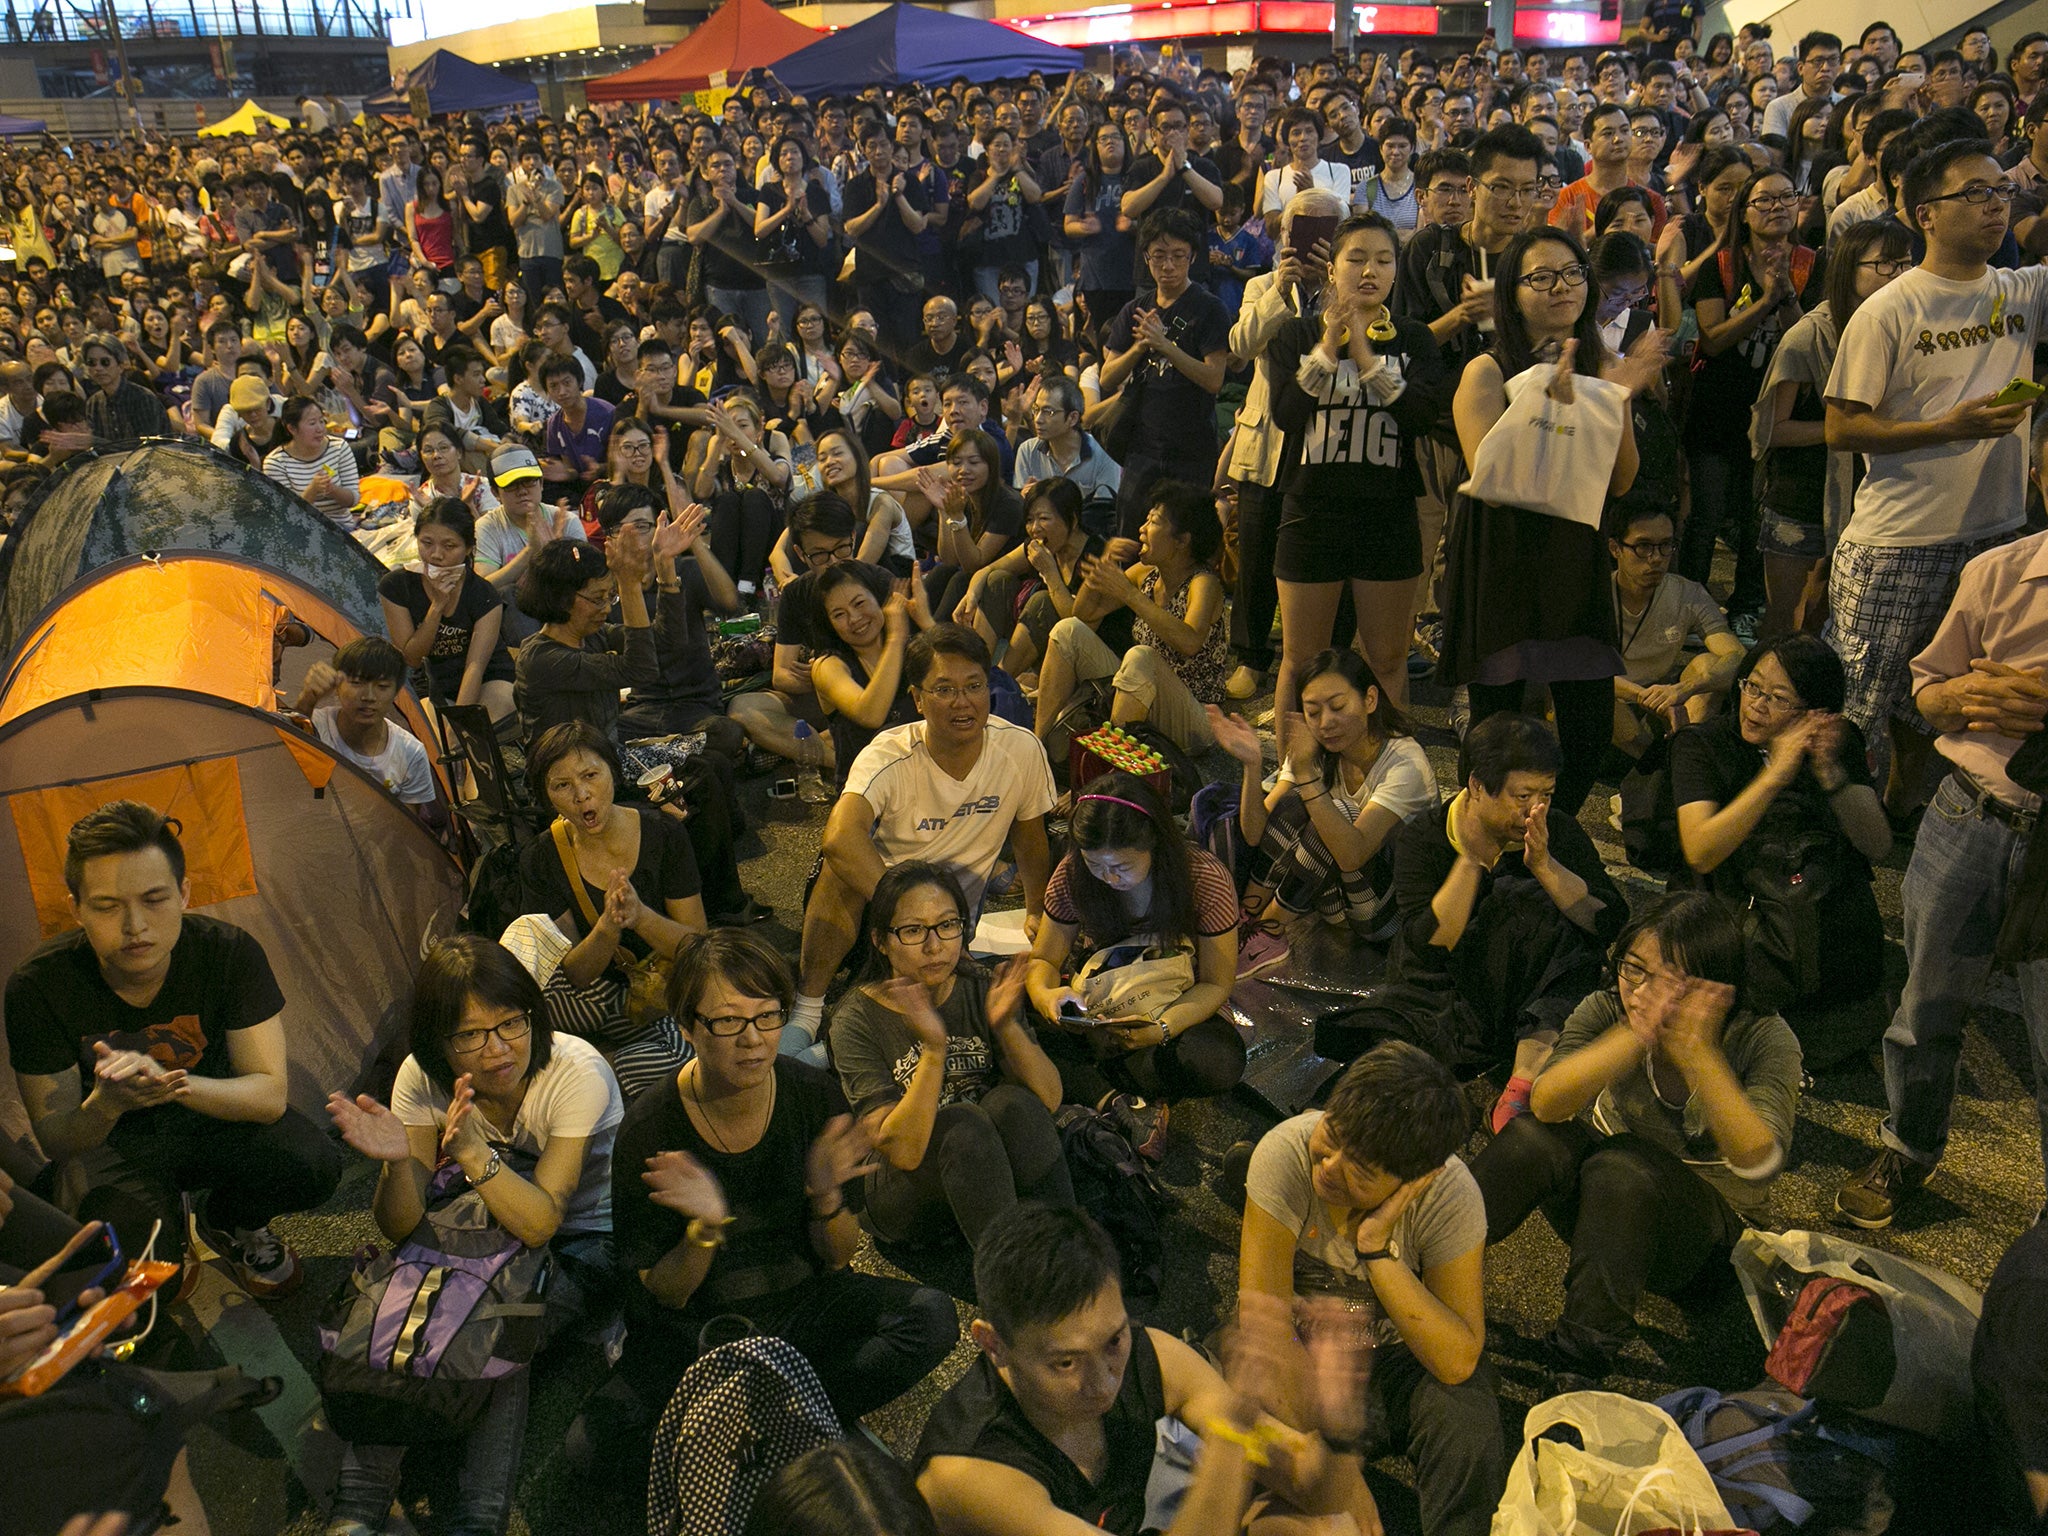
(1214, 18)
(1564, 29)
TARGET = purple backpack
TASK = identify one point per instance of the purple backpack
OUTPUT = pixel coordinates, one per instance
(417, 1338)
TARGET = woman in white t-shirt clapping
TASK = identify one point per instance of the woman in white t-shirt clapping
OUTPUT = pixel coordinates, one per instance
(528, 1117)
(1351, 773)
(313, 463)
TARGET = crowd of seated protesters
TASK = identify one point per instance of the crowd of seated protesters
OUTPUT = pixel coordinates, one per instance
(987, 510)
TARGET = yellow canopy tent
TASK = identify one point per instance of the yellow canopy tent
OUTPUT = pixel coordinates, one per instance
(243, 120)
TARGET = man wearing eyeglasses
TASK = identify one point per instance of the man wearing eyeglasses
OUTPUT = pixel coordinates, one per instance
(953, 787)
(1610, 135)
(1820, 60)
(1659, 615)
(1915, 390)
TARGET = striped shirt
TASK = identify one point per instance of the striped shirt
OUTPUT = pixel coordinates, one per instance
(297, 474)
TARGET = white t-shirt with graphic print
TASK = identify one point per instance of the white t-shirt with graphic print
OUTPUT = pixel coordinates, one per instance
(1914, 351)
(923, 812)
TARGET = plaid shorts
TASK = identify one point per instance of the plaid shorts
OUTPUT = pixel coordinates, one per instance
(1884, 606)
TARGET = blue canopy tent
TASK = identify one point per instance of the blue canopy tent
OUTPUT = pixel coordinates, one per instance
(453, 84)
(10, 127)
(906, 43)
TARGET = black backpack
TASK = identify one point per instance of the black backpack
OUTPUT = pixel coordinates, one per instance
(1111, 1184)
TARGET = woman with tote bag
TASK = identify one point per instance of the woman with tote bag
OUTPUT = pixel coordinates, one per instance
(1527, 595)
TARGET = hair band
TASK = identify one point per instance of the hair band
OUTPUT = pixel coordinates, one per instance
(1119, 800)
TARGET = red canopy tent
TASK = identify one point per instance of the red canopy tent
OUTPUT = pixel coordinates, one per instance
(740, 35)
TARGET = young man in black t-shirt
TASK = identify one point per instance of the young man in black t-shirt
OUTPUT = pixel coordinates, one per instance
(1054, 1427)
(150, 1046)
(1171, 345)
(885, 212)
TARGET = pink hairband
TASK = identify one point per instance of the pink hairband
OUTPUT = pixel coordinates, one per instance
(1119, 800)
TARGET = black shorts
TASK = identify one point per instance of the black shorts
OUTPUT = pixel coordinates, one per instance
(1364, 541)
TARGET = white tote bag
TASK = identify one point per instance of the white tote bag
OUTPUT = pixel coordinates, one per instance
(1548, 455)
(1635, 1472)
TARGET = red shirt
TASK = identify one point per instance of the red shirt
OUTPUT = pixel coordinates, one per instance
(1581, 198)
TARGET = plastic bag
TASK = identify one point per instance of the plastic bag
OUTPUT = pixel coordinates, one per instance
(1633, 1471)
(1550, 456)
(1933, 1317)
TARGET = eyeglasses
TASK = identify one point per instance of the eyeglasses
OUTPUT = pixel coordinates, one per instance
(1162, 258)
(1508, 192)
(728, 1025)
(1773, 202)
(467, 1042)
(1777, 703)
(946, 693)
(1977, 197)
(1550, 184)
(1633, 974)
(912, 935)
(1652, 549)
(1544, 279)
(1647, 131)
(1887, 266)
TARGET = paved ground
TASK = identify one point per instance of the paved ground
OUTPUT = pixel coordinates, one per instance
(255, 1479)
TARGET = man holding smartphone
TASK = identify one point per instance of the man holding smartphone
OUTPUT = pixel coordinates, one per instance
(149, 1046)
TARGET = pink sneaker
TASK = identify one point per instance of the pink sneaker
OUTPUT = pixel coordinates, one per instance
(1263, 949)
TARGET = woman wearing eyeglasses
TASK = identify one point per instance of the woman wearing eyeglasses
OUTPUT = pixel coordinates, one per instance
(529, 1117)
(942, 1071)
(1776, 815)
(1503, 630)
(1746, 299)
(1807, 488)
(1654, 1130)
(729, 1180)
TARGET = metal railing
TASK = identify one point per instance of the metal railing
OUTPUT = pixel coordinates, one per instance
(29, 22)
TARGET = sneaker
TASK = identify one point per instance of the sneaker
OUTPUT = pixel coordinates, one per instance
(1871, 1198)
(1245, 683)
(1460, 714)
(1237, 1167)
(262, 1261)
(1513, 1101)
(1744, 625)
(1263, 949)
(1141, 1123)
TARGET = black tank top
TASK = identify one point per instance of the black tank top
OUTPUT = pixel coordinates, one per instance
(978, 1417)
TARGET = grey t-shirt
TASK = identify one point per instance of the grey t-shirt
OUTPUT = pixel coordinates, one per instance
(1652, 643)
(1765, 1057)
(1444, 1222)
(875, 1051)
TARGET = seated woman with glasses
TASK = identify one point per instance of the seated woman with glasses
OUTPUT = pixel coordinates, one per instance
(1776, 814)
(942, 1070)
(785, 718)
(529, 1117)
(1653, 1131)
(635, 896)
(730, 1183)
(1661, 615)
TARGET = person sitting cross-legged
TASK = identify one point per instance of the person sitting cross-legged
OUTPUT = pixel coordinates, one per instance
(149, 1044)
(529, 1116)
(947, 1077)
(727, 1191)
(1370, 1191)
(1135, 960)
(1654, 1130)
(1506, 910)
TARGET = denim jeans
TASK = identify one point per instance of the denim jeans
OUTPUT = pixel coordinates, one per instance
(537, 274)
(789, 293)
(1964, 867)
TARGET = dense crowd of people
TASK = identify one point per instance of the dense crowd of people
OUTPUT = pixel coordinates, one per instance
(891, 444)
